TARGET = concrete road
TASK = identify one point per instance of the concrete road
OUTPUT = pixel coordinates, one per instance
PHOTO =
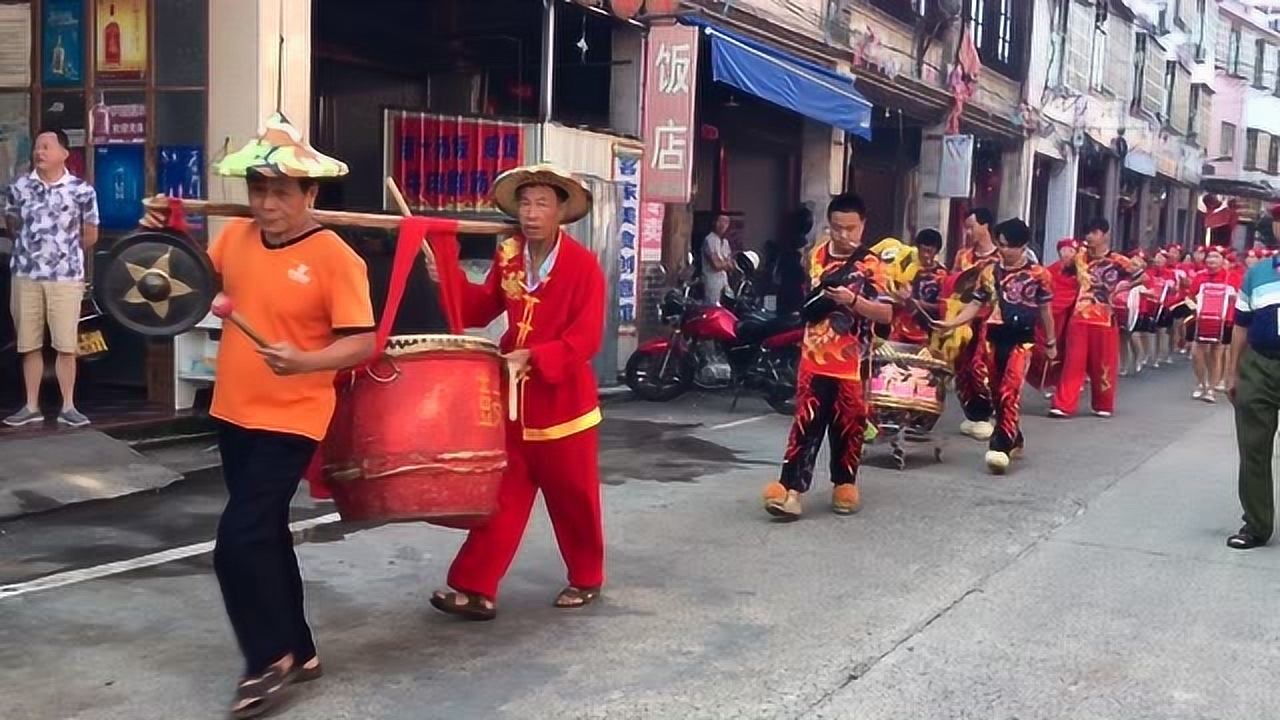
(1091, 583)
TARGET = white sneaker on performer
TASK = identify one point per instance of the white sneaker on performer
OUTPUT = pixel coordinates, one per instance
(1198, 393)
(1102, 414)
(997, 462)
(1056, 413)
(980, 430)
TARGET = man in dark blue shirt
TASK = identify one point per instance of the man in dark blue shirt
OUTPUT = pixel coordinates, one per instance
(1253, 384)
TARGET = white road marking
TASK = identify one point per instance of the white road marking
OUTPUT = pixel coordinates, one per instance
(738, 423)
(71, 577)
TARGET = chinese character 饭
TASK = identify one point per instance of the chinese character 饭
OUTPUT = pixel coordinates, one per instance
(672, 65)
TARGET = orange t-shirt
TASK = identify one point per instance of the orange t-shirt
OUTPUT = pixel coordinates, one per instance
(305, 293)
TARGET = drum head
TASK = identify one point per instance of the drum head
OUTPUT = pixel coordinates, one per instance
(156, 283)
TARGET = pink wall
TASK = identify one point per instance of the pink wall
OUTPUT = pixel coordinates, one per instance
(1228, 106)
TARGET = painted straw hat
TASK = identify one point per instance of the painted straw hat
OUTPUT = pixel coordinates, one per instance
(280, 151)
(506, 190)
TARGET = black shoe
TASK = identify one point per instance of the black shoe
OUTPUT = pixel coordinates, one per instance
(1246, 539)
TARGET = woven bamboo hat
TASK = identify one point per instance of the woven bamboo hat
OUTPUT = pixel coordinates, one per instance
(576, 197)
(280, 151)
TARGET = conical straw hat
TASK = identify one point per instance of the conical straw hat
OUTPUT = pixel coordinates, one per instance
(280, 151)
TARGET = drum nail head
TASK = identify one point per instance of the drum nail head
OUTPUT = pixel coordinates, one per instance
(154, 286)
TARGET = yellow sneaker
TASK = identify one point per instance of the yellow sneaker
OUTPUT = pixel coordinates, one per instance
(846, 499)
(781, 502)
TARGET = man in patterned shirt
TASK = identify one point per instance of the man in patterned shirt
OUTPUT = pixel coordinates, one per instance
(1093, 339)
(1018, 295)
(829, 398)
(53, 216)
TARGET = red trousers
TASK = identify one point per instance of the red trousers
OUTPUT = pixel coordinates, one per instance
(825, 407)
(1092, 349)
(1008, 364)
(567, 473)
(973, 377)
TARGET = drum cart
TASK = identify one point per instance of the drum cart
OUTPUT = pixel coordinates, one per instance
(906, 391)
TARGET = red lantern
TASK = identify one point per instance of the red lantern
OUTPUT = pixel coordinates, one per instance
(625, 9)
(661, 7)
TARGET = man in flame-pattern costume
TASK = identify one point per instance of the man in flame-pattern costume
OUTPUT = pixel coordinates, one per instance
(829, 393)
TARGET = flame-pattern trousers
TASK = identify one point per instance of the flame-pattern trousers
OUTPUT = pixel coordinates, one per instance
(1008, 363)
(829, 406)
(973, 377)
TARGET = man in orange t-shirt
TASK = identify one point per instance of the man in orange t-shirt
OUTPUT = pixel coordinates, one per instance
(829, 398)
(306, 293)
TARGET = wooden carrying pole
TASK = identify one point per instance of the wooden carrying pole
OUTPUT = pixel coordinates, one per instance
(329, 217)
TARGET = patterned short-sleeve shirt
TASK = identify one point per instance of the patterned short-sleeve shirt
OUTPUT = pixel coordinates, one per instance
(50, 243)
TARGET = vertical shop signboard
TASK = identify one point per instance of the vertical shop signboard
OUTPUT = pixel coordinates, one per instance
(119, 178)
(448, 163)
(62, 52)
(626, 172)
(671, 71)
(652, 215)
(121, 39)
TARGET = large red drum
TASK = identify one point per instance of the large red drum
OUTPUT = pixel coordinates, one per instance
(1213, 309)
(418, 435)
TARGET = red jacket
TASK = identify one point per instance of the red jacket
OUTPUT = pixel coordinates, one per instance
(561, 323)
(1065, 288)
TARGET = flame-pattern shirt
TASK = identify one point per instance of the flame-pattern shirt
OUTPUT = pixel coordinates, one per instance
(909, 323)
(1099, 278)
(1014, 297)
(833, 345)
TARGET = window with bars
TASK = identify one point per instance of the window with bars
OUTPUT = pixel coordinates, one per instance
(1273, 156)
(1251, 139)
(1000, 29)
(1098, 59)
(1139, 69)
(1193, 115)
(1170, 82)
(1059, 30)
(1227, 141)
(907, 11)
(1234, 41)
(133, 74)
(1259, 63)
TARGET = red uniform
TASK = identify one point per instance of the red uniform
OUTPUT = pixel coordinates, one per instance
(1093, 340)
(1222, 276)
(973, 381)
(910, 324)
(553, 447)
(1043, 374)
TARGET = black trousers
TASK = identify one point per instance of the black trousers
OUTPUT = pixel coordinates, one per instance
(254, 559)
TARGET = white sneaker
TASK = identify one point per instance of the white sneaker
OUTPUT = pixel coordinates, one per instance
(997, 462)
(1102, 414)
(1198, 394)
(1056, 413)
(980, 430)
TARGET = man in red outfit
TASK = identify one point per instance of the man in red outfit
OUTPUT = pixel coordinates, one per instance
(552, 291)
(1043, 373)
(1093, 340)
(973, 383)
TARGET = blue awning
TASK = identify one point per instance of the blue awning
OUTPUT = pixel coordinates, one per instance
(806, 88)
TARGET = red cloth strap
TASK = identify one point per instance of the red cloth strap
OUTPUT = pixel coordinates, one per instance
(177, 216)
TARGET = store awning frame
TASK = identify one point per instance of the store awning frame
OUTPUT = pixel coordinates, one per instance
(796, 84)
(1239, 188)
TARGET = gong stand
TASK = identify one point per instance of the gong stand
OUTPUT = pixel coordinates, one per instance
(328, 217)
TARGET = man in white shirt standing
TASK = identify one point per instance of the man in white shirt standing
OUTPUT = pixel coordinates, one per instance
(53, 217)
(716, 261)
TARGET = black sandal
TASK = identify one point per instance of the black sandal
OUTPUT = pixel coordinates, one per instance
(1245, 540)
(261, 691)
(572, 598)
(468, 606)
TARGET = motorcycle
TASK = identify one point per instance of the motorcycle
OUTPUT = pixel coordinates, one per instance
(738, 345)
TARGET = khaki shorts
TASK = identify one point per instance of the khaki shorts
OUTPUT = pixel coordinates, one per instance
(37, 304)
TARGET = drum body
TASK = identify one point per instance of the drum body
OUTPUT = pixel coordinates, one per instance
(419, 434)
(1213, 308)
(907, 386)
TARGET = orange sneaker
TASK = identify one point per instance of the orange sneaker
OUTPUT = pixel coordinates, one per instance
(781, 502)
(846, 499)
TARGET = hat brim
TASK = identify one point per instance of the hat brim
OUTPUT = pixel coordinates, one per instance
(506, 191)
(280, 151)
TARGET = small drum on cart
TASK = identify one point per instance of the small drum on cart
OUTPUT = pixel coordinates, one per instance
(906, 393)
(420, 434)
(1213, 313)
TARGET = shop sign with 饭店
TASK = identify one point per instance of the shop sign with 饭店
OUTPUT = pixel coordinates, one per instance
(671, 72)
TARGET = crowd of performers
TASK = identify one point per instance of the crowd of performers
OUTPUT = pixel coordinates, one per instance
(1004, 321)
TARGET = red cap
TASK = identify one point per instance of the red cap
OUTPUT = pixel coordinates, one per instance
(1066, 243)
(1275, 212)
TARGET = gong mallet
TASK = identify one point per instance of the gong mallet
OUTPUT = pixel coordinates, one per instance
(224, 309)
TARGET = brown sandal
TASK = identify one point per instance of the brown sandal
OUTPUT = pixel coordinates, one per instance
(573, 598)
(468, 606)
(308, 671)
(258, 694)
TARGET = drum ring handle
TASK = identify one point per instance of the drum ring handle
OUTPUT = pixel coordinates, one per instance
(395, 372)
